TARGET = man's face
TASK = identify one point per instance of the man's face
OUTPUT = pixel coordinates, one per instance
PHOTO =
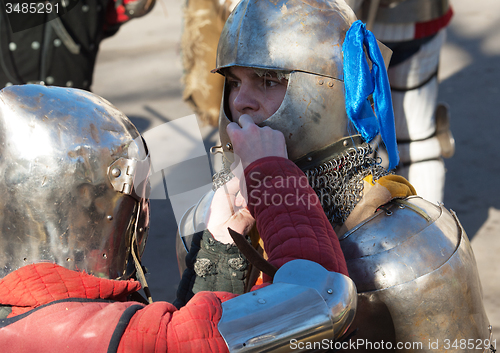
(258, 96)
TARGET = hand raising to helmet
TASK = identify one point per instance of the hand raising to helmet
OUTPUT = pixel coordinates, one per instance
(228, 208)
(251, 142)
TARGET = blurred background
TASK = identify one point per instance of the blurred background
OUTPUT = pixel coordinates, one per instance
(139, 70)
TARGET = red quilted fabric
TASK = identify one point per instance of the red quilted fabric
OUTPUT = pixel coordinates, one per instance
(158, 327)
(38, 284)
(303, 231)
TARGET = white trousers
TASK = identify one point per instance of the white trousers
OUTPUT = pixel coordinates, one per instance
(414, 112)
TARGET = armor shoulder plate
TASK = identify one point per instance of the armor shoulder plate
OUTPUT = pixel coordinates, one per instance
(416, 276)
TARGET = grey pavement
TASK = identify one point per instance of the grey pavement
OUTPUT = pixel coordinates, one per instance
(139, 70)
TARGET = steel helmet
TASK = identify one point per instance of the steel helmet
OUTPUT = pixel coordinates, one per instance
(305, 38)
(73, 182)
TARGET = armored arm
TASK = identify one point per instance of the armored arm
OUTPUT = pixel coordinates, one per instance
(306, 307)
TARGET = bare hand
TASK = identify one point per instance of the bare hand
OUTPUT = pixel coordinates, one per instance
(251, 142)
(228, 210)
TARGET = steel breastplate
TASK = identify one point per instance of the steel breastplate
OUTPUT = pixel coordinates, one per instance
(416, 277)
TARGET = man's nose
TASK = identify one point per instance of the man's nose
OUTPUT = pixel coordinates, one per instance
(246, 100)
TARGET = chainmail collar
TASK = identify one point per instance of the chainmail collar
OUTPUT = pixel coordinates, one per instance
(338, 182)
(222, 176)
(335, 173)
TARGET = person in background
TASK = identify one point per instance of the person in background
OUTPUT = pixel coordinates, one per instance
(56, 43)
(415, 30)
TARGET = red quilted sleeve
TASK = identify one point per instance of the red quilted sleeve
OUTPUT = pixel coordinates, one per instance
(289, 216)
(160, 327)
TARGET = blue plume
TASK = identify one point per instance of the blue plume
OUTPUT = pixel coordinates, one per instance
(359, 83)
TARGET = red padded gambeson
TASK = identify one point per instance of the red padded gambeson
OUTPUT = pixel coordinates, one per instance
(88, 327)
(296, 226)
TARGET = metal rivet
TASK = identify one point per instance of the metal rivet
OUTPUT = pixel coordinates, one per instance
(68, 259)
(12, 46)
(401, 206)
(8, 84)
(389, 213)
(50, 80)
(110, 217)
(345, 143)
(116, 172)
(69, 84)
(330, 84)
(127, 189)
(35, 45)
(320, 82)
(261, 301)
(330, 291)
(104, 256)
(57, 42)
(85, 8)
(141, 230)
(229, 146)
(309, 159)
(25, 259)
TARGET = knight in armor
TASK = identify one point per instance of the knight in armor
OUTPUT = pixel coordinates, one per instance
(413, 29)
(74, 224)
(325, 88)
(57, 44)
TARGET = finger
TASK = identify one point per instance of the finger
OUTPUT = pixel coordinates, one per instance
(231, 128)
(245, 120)
(240, 201)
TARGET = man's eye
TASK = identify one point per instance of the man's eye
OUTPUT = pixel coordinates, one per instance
(233, 84)
(272, 83)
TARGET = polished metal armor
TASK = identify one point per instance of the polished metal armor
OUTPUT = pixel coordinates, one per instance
(305, 304)
(416, 277)
(73, 182)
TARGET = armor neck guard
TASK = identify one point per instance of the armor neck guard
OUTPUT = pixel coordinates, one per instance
(336, 174)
